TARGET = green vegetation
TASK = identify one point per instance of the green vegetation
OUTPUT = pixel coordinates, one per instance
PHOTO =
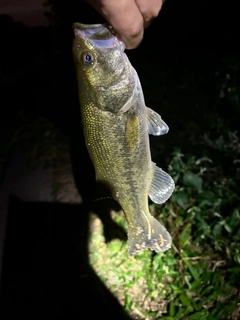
(198, 277)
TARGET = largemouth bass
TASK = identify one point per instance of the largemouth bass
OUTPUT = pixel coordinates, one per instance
(116, 126)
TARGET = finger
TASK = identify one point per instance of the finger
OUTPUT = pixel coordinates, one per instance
(149, 10)
(124, 17)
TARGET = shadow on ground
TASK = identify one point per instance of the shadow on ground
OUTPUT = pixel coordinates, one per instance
(45, 267)
(46, 270)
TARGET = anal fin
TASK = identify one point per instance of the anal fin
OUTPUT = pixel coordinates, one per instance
(162, 185)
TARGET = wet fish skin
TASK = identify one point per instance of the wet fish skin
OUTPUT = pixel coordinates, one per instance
(116, 126)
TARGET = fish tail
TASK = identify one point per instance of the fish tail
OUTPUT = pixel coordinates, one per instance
(151, 235)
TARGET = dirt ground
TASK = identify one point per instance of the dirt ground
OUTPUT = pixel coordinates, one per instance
(33, 183)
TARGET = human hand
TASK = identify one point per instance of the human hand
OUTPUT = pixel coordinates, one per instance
(128, 18)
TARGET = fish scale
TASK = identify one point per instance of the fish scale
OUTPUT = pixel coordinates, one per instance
(116, 126)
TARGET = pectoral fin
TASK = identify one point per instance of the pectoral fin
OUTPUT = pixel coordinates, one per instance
(156, 126)
(162, 185)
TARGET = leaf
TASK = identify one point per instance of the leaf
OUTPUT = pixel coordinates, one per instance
(199, 315)
(185, 234)
(180, 197)
(157, 262)
(217, 229)
(207, 290)
(172, 309)
(176, 289)
(150, 284)
(185, 300)
(182, 311)
(227, 227)
(128, 302)
(237, 258)
(176, 165)
(204, 203)
(191, 179)
(193, 271)
(235, 270)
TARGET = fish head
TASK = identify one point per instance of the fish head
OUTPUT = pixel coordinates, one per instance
(103, 69)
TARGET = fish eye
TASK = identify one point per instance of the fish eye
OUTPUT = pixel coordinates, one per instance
(88, 58)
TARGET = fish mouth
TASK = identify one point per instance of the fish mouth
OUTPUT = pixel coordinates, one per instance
(83, 26)
(89, 30)
(100, 35)
(93, 31)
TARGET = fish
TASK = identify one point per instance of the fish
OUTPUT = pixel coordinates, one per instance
(116, 125)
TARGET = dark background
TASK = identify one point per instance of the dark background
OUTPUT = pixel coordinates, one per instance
(188, 64)
(183, 63)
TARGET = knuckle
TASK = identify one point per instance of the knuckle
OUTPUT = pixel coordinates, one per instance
(135, 29)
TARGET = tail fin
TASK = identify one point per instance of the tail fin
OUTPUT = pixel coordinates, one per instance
(151, 236)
